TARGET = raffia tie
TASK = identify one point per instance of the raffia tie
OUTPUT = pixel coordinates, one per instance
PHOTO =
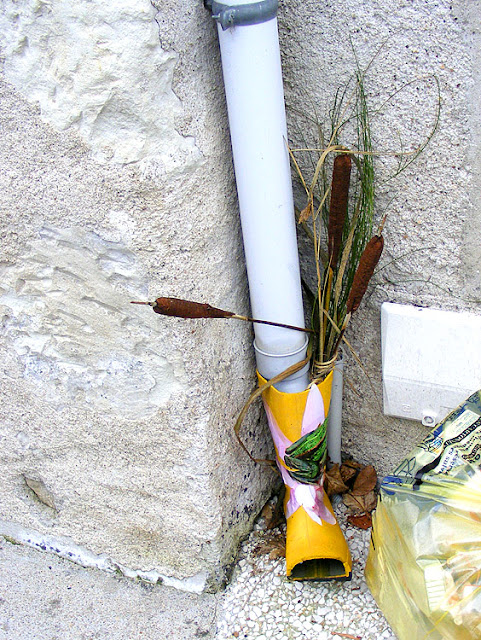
(320, 369)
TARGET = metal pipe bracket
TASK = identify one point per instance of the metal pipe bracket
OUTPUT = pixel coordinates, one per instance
(242, 15)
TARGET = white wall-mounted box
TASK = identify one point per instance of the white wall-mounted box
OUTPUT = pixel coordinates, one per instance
(431, 360)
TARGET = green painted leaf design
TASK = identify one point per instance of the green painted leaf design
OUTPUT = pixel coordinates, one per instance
(306, 457)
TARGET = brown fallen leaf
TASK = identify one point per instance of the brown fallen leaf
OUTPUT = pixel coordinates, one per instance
(354, 503)
(353, 464)
(37, 485)
(267, 511)
(275, 546)
(275, 516)
(348, 473)
(333, 482)
(278, 552)
(306, 213)
(370, 500)
(365, 482)
(362, 521)
(360, 504)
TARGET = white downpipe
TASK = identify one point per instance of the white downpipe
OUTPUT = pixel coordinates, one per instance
(334, 418)
(255, 102)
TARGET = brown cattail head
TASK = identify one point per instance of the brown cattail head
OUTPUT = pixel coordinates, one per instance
(186, 309)
(367, 263)
(341, 176)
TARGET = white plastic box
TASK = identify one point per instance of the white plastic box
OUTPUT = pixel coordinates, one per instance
(431, 361)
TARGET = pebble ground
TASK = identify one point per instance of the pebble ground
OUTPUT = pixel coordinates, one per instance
(260, 603)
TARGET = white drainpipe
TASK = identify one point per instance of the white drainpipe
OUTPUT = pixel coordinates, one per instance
(334, 418)
(255, 101)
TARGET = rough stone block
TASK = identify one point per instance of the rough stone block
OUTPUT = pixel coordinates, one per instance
(116, 431)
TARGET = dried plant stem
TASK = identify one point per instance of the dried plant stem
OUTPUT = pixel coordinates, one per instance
(316, 255)
(179, 308)
(326, 304)
(339, 280)
(273, 324)
(299, 172)
(340, 336)
(320, 164)
(258, 392)
(346, 237)
(358, 152)
(345, 255)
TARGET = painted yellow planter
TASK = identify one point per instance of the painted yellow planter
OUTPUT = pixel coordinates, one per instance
(315, 545)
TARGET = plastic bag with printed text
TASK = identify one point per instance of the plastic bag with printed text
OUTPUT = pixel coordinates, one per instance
(424, 563)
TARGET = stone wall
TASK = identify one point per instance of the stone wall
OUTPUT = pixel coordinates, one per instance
(433, 228)
(116, 434)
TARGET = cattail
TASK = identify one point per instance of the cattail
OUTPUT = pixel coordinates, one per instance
(187, 309)
(341, 176)
(367, 263)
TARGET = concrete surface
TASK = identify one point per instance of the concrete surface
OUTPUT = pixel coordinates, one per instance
(43, 597)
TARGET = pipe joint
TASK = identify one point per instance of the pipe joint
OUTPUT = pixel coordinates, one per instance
(271, 364)
(242, 15)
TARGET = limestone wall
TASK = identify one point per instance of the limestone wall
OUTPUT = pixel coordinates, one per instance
(116, 434)
(433, 229)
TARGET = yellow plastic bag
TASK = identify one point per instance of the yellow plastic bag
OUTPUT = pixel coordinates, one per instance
(424, 564)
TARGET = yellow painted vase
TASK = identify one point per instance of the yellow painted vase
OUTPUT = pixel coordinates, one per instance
(315, 545)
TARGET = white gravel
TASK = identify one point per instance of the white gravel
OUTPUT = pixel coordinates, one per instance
(260, 603)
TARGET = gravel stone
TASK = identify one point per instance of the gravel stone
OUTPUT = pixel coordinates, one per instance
(287, 610)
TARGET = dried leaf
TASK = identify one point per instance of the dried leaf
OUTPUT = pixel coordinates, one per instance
(278, 552)
(275, 546)
(365, 482)
(354, 503)
(306, 213)
(353, 464)
(267, 511)
(348, 473)
(37, 485)
(362, 521)
(333, 482)
(273, 514)
(370, 501)
(360, 504)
